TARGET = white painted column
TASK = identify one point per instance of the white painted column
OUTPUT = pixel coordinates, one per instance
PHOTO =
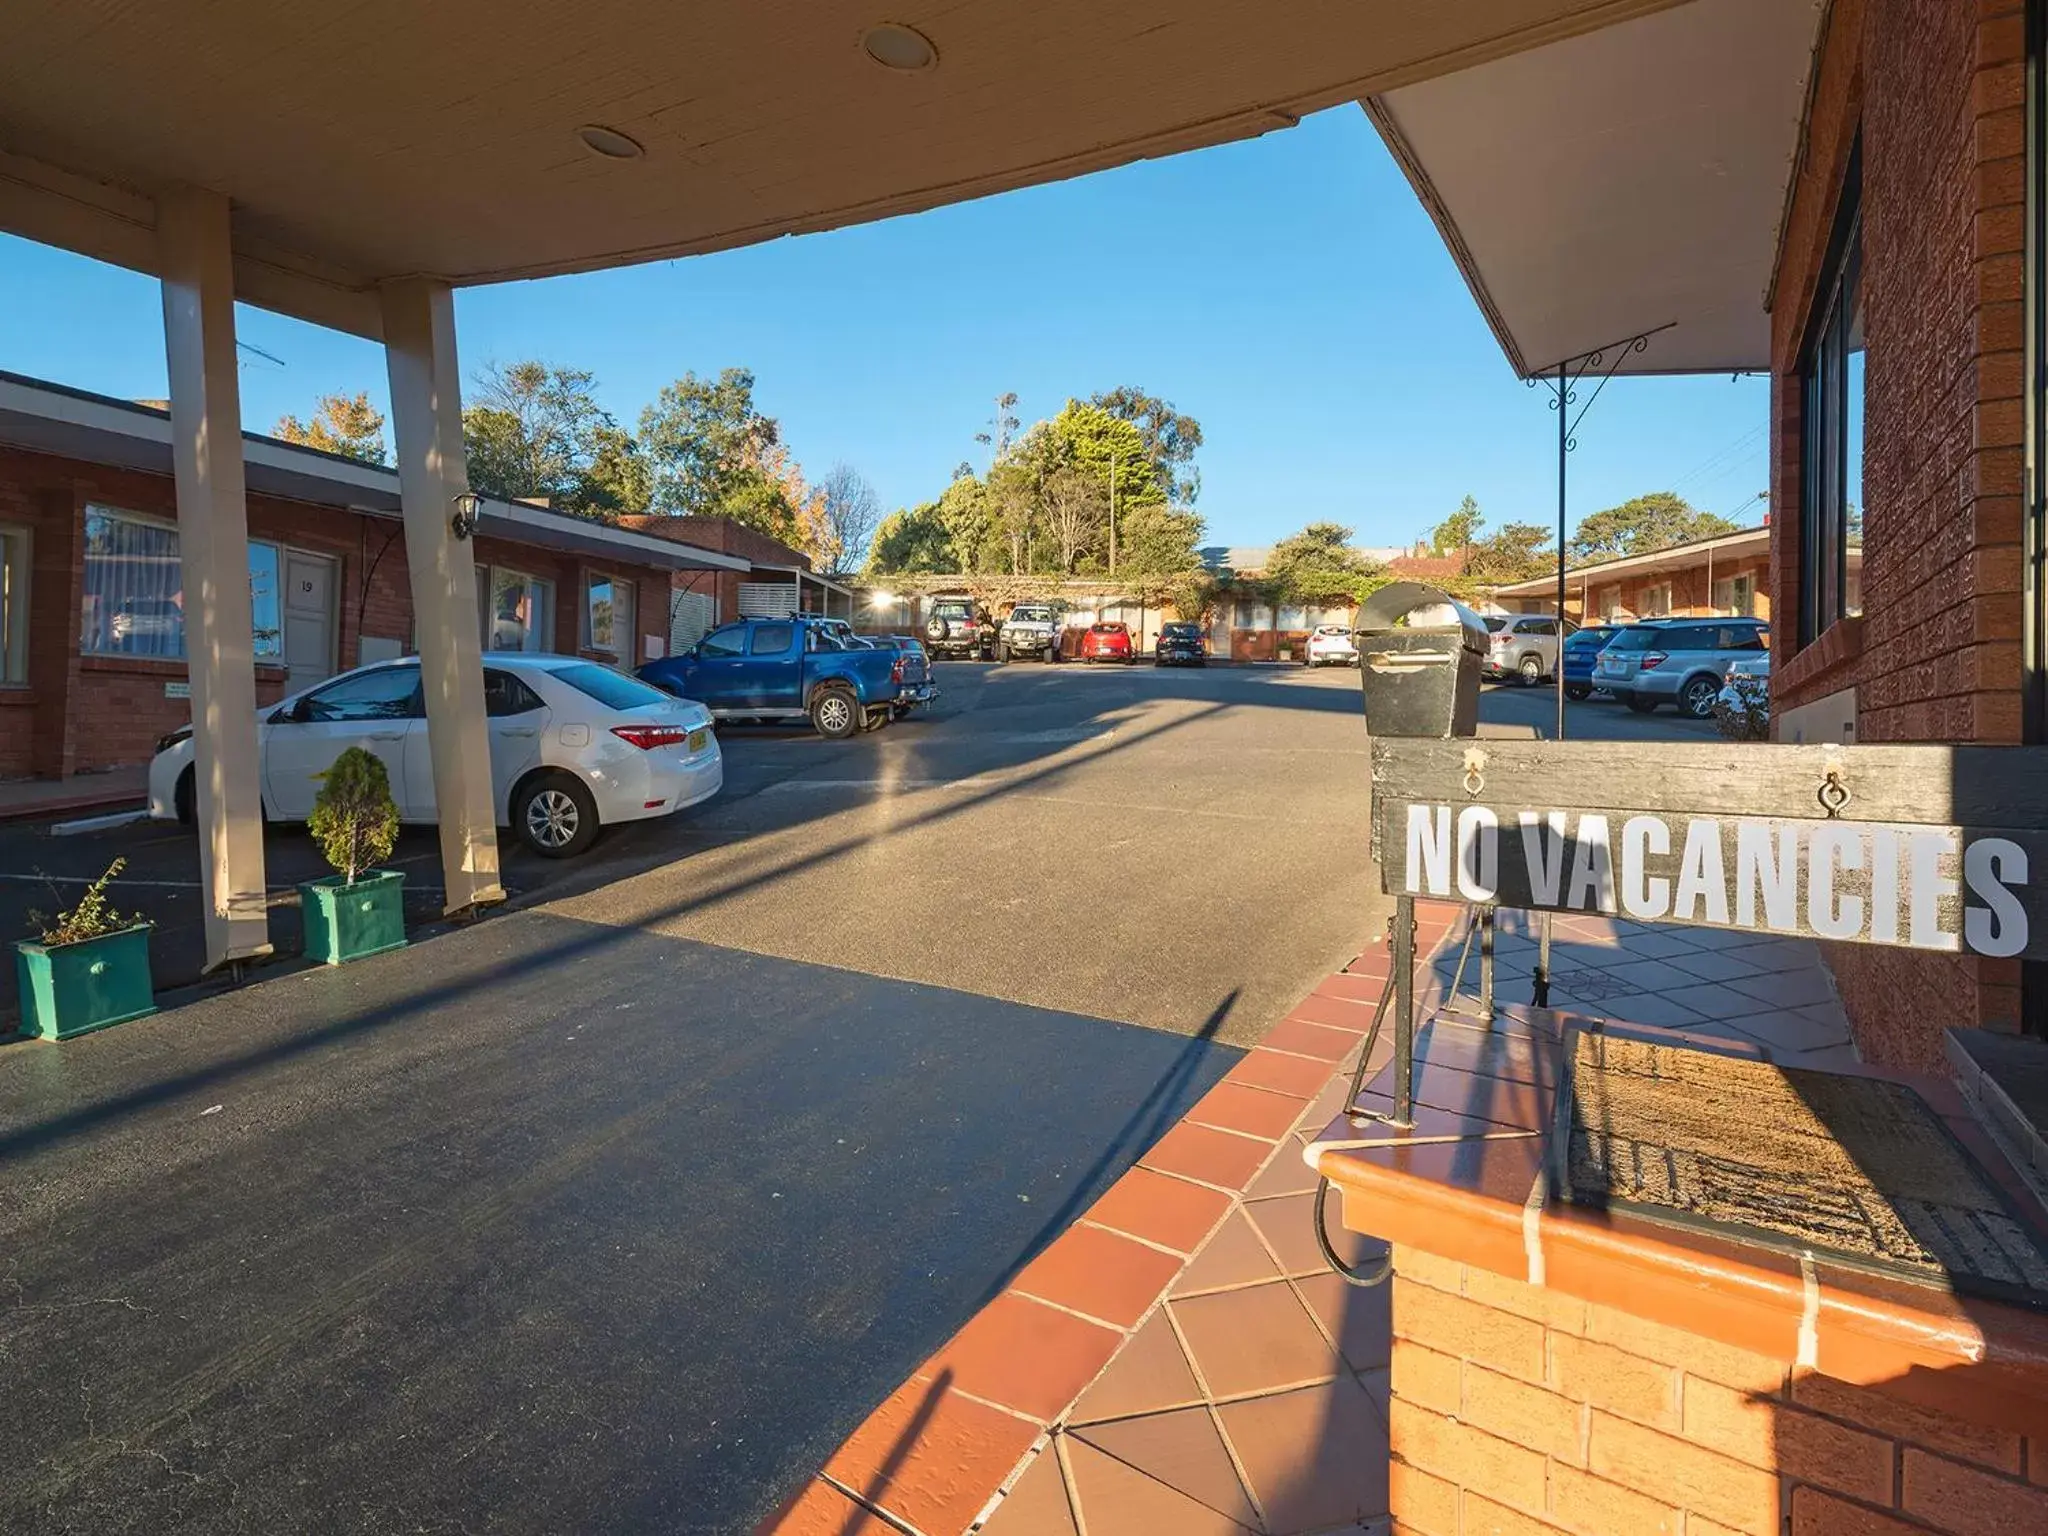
(426, 422)
(196, 259)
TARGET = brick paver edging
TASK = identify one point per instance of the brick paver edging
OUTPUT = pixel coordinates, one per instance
(933, 1457)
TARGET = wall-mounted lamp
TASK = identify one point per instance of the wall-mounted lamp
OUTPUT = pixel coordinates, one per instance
(468, 510)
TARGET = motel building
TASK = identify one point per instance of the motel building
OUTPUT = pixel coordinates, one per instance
(1845, 195)
(1722, 578)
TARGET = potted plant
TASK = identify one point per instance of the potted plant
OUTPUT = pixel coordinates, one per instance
(358, 910)
(88, 968)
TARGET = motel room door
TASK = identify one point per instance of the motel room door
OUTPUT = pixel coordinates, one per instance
(308, 618)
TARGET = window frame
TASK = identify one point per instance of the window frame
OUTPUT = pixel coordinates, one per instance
(1824, 419)
(17, 562)
(278, 549)
(624, 657)
(543, 606)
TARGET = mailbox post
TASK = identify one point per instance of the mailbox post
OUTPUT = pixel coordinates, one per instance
(1419, 653)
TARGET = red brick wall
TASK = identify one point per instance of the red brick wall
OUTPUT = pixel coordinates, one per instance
(1938, 86)
(1517, 1410)
(722, 534)
(79, 714)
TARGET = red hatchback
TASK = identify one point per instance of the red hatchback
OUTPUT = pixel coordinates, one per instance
(1108, 642)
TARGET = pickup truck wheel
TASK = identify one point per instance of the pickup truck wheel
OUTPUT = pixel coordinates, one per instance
(835, 713)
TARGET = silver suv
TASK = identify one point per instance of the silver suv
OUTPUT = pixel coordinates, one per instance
(1523, 645)
(1677, 661)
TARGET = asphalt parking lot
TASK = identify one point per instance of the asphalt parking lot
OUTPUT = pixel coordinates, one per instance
(618, 1210)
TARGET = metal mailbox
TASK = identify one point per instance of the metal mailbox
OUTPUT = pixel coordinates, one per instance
(1419, 652)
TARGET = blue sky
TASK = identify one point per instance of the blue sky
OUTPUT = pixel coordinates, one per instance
(1290, 293)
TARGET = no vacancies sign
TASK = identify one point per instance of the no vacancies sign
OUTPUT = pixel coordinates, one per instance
(1578, 845)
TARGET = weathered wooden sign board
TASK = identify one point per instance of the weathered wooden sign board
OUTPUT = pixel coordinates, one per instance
(1924, 847)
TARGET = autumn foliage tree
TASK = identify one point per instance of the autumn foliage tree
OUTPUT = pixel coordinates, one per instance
(345, 424)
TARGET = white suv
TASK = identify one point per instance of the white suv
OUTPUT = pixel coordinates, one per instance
(1332, 646)
(1523, 646)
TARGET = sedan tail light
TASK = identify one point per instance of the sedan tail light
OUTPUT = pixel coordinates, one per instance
(648, 737)
(1652, 660)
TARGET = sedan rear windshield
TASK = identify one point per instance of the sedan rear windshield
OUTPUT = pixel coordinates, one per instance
(1181, 632)
(612, 689)
(1637, 637)
(1111, 629)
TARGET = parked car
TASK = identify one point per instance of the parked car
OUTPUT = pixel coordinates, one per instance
(1582, 649)
(575, 747)
(1181, 645)
(149, 624)
(1522, 646)
(960, 628)
(794, 669)
(908, 645)
(1032, 629)
(1678, 661)
(1108, 642)
(1331, 645)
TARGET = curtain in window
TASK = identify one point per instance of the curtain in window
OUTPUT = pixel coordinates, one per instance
(134, 594)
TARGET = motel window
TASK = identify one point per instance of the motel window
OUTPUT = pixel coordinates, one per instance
(519, 614)
(133, 597)
(1657, 600)
(608, 616)
(1831, 503)
(1292, 618)
(13, 605)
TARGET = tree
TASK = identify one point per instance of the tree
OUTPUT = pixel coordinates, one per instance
(912, 542)
(1001, 427)
(1459, 532)
(1643, 524)
(616, 480)
(1515, 552)
(847, 512)
(1170, 439)
(710, 452)
(345, 424)
(1318, 565)
(1158, 548)
(1076, 509)
(532, 430)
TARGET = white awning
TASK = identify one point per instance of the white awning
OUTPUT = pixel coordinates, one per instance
(1619, 182)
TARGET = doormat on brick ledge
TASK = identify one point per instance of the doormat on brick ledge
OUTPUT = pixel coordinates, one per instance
(1856, 1169)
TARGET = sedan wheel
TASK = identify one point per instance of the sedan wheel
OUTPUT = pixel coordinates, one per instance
(1531, 671)
(555, 817)
(1699, 697)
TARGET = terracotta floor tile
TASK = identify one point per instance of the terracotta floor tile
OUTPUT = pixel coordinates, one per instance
(1361, 983)
(1160, 1209)
(1346, 1013)
(1286, 1226)
(822, 1510)
(1713, 965)
(1024, 1355)
(1665, 944)
(1286, 1174)
(1254, 1340)
(1313, 1040)
(1148, 1375)
(1281, 1074)
(1234, 1256)
(1795, 1029)
(1717, 1001)
(1772, 954)
(931, 1457)
(1116, 1500)
(1037, 1504)
(1637, 1008)
(1314, 1458)
(1788, 989)
(1254, 1111)
(1357, 1317)
(1099, 1272)
(1212, 1157)
(1183, 1451)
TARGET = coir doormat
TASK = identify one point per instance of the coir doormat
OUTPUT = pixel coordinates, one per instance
(1857, 1170)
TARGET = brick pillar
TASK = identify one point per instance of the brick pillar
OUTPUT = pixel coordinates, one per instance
(56, 586)
(1515, 1409)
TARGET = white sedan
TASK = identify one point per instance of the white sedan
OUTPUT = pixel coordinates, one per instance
(1331, 645)
(575, 746)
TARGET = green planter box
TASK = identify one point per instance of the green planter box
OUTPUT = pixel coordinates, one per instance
(347, 922)
(73, 989)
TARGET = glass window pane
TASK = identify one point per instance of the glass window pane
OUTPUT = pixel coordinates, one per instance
(264, 615)
(13, 605)
(613, 689)
(774, 639)
(133, 601)
(389, 693)
(1852, 455)
(729, 641)
(599, 620)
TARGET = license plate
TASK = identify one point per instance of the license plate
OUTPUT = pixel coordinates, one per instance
(699, 740)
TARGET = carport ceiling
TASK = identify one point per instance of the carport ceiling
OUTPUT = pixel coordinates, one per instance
(390, 137)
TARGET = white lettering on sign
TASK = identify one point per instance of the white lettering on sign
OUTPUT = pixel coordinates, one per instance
(1928, 887)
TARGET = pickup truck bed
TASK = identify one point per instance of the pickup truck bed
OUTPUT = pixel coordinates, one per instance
(794, 668)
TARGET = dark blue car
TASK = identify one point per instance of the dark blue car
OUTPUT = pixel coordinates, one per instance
(1581, 649)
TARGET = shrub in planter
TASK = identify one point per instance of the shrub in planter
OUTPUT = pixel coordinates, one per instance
(1744, 712)
(86, 969)
(359, 910)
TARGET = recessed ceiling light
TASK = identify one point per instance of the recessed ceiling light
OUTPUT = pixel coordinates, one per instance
(895, 46)
(609, 142)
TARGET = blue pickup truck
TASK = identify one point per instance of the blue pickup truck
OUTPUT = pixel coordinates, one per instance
(795, 668)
